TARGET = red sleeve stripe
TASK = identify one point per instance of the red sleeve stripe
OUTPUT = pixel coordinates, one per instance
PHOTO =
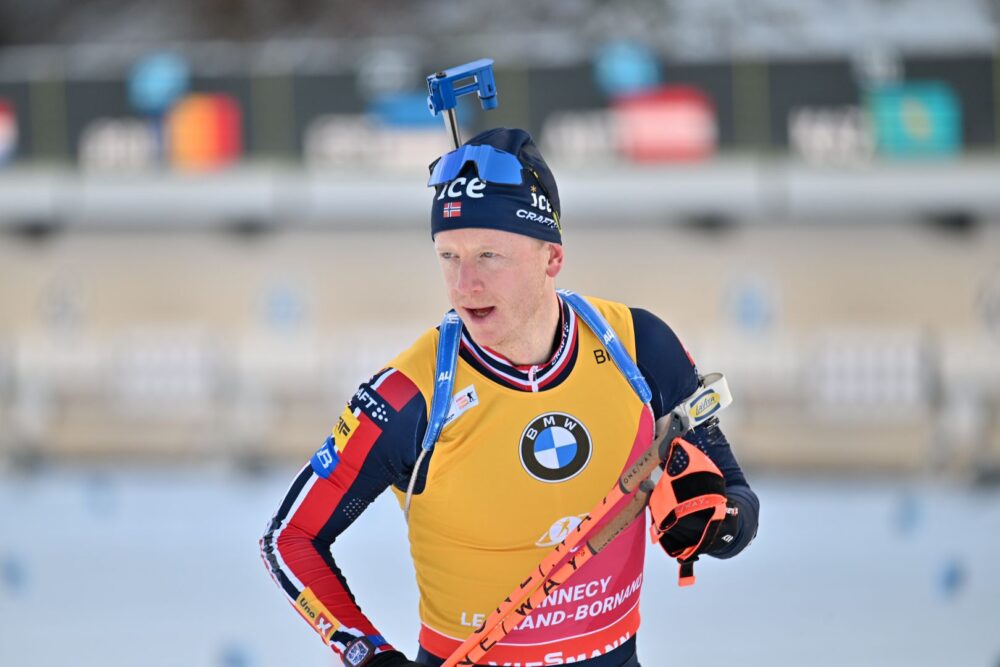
(314, 512)
(395, 388)
(276, 539)
(300, 554)
(296, 543)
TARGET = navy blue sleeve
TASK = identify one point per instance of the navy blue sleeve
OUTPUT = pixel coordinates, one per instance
(397, 419)
(374, 445)
(673, 377)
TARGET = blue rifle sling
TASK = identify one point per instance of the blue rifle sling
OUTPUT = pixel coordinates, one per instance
(609, 338)
(449, 336)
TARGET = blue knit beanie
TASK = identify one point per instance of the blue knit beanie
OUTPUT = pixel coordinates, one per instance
(531, 208)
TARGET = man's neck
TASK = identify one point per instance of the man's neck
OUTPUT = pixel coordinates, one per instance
(538, 341)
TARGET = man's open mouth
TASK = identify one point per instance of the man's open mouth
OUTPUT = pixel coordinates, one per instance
(480, 312)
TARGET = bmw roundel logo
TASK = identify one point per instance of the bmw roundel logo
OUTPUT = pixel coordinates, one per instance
(555, 447)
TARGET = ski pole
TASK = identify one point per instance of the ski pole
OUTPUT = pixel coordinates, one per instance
(575, 550)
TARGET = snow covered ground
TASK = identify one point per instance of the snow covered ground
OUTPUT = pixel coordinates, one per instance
(160, 567)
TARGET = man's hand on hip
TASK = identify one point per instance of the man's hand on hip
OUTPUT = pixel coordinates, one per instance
(391, 659)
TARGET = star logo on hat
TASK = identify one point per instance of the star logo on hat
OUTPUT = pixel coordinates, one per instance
(534, 188)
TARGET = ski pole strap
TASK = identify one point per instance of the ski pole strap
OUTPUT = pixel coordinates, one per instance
(447, 359)
(609, 338)
(685, 575)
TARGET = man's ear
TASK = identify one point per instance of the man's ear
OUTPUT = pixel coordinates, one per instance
(555, 260)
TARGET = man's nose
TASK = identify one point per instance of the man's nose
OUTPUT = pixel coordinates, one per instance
(468, 278)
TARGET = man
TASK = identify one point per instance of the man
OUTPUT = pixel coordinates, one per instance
(540, 423)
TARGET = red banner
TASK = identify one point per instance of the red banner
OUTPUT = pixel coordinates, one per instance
(8, 131)
(204, 131)
(666, 124)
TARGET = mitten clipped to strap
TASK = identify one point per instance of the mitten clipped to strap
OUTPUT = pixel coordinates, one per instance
(687, 506)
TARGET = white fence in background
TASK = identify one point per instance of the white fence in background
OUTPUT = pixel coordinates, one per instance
(192, 393)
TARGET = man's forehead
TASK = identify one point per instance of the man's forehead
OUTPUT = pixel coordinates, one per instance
(475, 238)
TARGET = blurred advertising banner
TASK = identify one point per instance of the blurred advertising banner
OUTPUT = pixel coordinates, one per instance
(917, 119)
(396, 132)
(666, 124)
(124, 144)
(204, 131)
(831, 135)
(8, 131)
(350, 140)
(630, 104)
(674, 123)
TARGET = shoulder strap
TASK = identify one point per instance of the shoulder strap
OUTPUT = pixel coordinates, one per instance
(449, 336)
(589, 314)
(447, 360)
(444, 371)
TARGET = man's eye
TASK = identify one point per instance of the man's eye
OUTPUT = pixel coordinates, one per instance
(488, 254)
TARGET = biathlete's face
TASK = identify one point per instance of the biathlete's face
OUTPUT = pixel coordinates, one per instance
(500, 283)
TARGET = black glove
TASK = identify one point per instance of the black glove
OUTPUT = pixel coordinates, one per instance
(391, 659)
(689, 507)
(689, 529)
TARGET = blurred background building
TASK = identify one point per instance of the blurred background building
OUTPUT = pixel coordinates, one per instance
(213, 225)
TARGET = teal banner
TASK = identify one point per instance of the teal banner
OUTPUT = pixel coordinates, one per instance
(916, 120)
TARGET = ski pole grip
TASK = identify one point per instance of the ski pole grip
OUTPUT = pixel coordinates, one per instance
(443, 95)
